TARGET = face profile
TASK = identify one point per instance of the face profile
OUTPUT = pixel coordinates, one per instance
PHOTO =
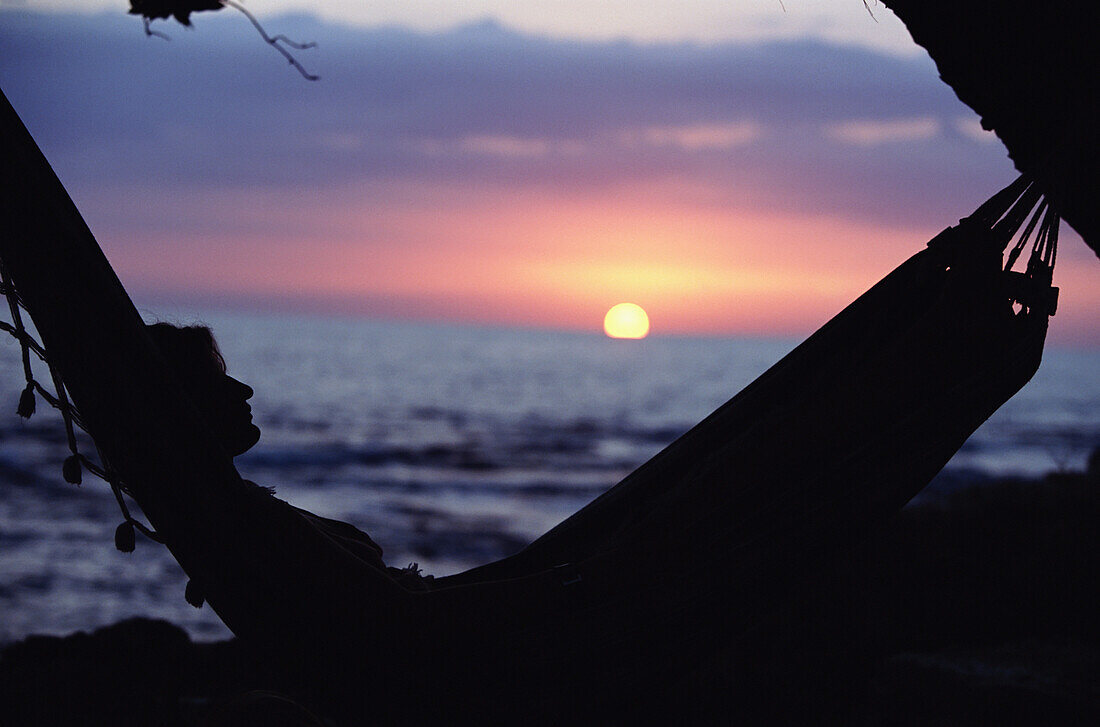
(192, 354)
(229, 414)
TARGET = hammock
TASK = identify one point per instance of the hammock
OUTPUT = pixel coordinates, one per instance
(634, 590)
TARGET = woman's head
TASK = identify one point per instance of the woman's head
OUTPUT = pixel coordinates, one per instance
(193, 355)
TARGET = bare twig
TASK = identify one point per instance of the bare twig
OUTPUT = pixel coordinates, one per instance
(294, 44)
(274, 41)
(150, 32)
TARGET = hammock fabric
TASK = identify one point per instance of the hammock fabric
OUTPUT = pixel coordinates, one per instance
(636, 589)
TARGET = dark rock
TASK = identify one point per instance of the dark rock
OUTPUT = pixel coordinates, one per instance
(1023, 66)
(128, 673)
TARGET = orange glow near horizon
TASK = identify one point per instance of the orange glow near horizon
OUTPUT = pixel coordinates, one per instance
(544, 260)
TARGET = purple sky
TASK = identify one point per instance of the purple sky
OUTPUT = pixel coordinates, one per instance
(479, 174)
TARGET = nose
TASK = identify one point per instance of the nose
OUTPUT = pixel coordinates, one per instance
(244, 389)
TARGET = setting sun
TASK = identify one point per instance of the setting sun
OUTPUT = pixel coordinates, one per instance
(626, 320)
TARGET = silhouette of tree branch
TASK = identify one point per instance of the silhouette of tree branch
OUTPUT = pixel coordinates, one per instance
(181, 10)
(153, 33)
(273, 41)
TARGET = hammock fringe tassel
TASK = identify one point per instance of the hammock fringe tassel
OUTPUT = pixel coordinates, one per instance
(73, 466)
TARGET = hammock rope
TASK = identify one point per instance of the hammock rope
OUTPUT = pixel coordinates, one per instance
(993, 223)
(643, 584)
(76, 462)
(1032, 287)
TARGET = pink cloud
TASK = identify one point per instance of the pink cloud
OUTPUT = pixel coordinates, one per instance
(872, 132)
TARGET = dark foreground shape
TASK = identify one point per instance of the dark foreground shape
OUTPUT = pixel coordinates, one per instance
(140, 672)
(1023, 66)
(129, 673)
(663, 573)
(974, 611)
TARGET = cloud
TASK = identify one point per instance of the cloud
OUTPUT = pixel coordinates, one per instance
(693, 137)
(687, 138)
(340, 141)
(504, 146)
(870, 132)
(837, 21)
(738, 124)
(210, 146)
(971, 127)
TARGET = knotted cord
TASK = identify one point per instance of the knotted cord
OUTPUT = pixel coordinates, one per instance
(76, 462)
(1032, 287)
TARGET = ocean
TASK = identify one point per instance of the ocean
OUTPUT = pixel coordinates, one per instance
(452, 446)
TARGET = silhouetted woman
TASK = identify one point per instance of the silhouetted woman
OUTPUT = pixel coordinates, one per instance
(222, 402)
(315, 596)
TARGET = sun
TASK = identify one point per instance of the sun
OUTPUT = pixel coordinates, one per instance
(626, 320)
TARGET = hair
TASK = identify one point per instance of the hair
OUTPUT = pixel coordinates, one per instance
(192, 355)
(189, 350)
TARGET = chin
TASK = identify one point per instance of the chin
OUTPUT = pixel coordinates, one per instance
(245, 440)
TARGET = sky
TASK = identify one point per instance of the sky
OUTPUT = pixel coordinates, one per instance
(734, 168)
(844, 21)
